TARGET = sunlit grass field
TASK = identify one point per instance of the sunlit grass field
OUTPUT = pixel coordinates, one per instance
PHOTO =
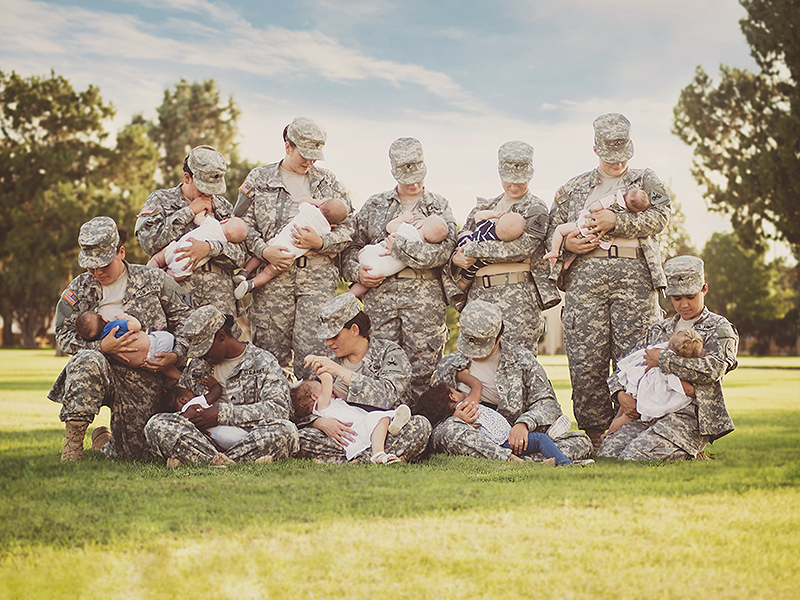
(446, 528)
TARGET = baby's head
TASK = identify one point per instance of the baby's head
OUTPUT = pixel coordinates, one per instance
(90, 325)
(438, 402)
(434, 229)
(686, 343)
(509, 227)
(334, 210)
(235, 229)
(304, 396)
(178, 397)
(636, 200)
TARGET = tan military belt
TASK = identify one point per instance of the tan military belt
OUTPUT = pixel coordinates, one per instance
(211, 267)
(487, 281)
(615, 252)
(503, 267)
(409, 273)
(308, 261)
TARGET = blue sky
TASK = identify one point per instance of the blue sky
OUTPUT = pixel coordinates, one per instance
(463, 77)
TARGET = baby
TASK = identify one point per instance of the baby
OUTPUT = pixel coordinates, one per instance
(441, 401)
(92, 326)
(316, 397)
(208, 228)
(432, 230)
(491, 226)
(180, 399)
(634, 200)
(320, 215)
(656, 393)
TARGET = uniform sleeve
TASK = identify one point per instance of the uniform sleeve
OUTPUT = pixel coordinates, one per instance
(385, 389)
(176, 311)
(653, 219)
(340, 235)
(543, 407)
(422, 255)
(448, 368)
(67, 312)
(273, 399)
(155, 229)
(536, 223)
(350, 264)
(719, 358)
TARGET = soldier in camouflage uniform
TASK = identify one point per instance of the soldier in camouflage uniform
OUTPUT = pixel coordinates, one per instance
(368, 372)
(682, 434)
(610, 294)
(91, 378)
(521, 289)
(169, 214)
(255, 397)
(284, 311)
(409, 307)
(524, 395)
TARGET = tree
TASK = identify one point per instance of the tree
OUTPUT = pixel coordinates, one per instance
(56, 172)
(752, 294)
(192, 114)
(745, 129)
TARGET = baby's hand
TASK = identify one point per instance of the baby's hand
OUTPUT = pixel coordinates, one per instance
(208, 382)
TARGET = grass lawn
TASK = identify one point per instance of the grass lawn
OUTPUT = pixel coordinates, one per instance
(451, 527)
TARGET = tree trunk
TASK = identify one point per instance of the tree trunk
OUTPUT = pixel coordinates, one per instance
(8, 336)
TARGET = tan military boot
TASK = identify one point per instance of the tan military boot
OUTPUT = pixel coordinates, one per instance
(73, 440)
(100, 437)
(596, 436)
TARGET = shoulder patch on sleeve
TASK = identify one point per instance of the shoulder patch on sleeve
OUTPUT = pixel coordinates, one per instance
(148, 210)
(70, 297)
(560, 192)
(245, 188)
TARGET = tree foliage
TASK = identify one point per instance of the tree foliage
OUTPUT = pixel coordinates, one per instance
(754, 295)
(745, 128)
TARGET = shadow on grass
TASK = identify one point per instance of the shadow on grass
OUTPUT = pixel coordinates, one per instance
(99, 501)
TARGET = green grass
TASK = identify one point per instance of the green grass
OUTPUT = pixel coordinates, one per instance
(451, 527)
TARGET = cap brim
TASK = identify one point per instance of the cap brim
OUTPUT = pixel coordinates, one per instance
(474, 350)
(412, 177)
(92, 261)
(615, 157)
(516, 177)
(326, 332)
(311, 153)
(210, 189)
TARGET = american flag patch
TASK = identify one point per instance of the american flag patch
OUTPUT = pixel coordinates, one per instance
(70, 297)
(560, 192)
(148, 210)
(245, 188)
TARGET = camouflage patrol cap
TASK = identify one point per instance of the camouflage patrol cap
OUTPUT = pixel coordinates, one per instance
(685, 276)
(208, 170)
(515, 162)
(200, 328)
(612, 138)
(98, 239)
(480, 324)
(308, 137)
(335, 313)
(408, 162)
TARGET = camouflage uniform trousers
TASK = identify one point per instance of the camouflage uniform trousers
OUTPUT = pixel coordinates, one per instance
(171, 435)
(522, 318)
(409, 443)
(655, 440)
(90, 381)
(411, 313)
(207, 287)
(454, 436)
(285, 314)
(609, 304)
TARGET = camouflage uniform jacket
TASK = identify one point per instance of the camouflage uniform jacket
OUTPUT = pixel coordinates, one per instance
(151, 296)
(166, 217)
(370, 228)
(526, 395)
(256, 391)
(571, 199)
(529, 245)
(705, 373)
(265, 207)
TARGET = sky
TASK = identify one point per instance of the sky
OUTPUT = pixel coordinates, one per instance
(462, 77)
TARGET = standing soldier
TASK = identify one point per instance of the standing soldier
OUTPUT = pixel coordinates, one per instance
(170, 213)
(284, 310)
(93, 378)
(610, 294)
(514, 276)
(407, 308)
